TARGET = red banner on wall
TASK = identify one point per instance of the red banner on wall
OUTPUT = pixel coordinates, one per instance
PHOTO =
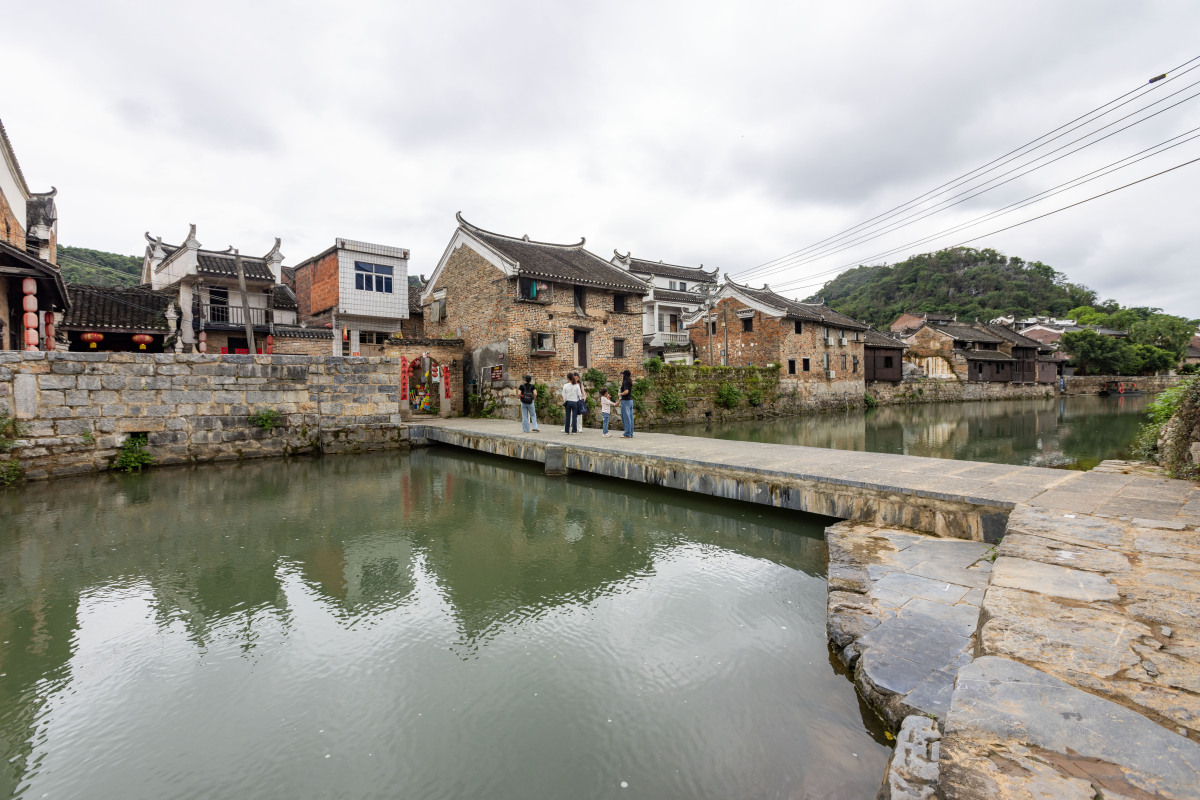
(446, 381)
(403, 379)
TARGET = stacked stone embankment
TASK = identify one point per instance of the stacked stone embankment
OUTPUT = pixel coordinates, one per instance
(1092, 384)
(76, 410)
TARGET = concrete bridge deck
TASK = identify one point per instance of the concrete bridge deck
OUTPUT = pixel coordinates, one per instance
(962, 499)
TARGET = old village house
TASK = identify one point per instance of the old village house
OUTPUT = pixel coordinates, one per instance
(31, 286)
(676, 293)
(819, 351)
(522, 306)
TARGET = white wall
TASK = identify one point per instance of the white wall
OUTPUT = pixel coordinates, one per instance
(11, 186)
(362, 303)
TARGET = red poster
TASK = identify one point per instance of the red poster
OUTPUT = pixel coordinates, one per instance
(403, 379)
(446, 380)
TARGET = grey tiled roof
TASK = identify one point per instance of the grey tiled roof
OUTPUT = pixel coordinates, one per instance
(678, 297)
(568, 263)
(223, 264)
(296, 332)
(285, 298)
(813, 312)
(873, 338)
(116, 308)
(1009, 335)
(698, 274)
(963, 332)
(985, 355)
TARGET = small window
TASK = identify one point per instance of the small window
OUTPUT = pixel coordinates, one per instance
(682, 286)
(827, 361)
(712, 328)
(843, 362)
(542, 343)
(799, 326)
(805, 365)
(580, 300)
(671, 285)
(887, 362)
(747, 324)
(827, 333)
(373, 337)
(791, 366)
(373, 277)
(856, 336)
(619, 302)
(854, 369)
(618, 348)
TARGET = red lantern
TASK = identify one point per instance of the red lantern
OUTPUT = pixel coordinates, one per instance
(30, 319)
(91, 338)
(31, 338)
(142, 339)
(49, 339)
(29, 286)
(270, 344)
(203, 345)
(29, 303)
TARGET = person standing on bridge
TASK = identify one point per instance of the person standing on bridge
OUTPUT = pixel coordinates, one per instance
(572, 393)
(528, 396)
(626, 395)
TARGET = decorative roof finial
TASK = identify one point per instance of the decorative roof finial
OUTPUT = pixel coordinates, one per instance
(192, 243)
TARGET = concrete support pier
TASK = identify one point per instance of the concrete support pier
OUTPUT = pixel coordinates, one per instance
(958, 499)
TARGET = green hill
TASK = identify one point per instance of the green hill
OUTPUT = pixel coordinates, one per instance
(98, 268)
(974, 284)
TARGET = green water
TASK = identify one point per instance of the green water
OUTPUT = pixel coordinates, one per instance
(433, 625)
(1077, 431)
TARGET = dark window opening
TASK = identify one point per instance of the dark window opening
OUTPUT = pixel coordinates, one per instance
(804, 365)
(887, 362)
(791, 366)
(712, 328)
(843, 362)
(580, 300)
(619, 303)
(748, 325)
(798, 326)
(618, 348)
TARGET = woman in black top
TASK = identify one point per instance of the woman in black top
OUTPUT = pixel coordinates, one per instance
(626, 396)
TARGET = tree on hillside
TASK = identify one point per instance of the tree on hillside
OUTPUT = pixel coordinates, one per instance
(97, 267)
(1094, 354)
(1164, 331)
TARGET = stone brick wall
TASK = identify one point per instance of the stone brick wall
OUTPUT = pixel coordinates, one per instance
(482, 309)
(1092, 384)
(78, 408)
(286, 345)
(932, 390)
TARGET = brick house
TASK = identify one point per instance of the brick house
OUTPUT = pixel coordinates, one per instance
(31, 286)
(210, 300)
(522, 306)
(357, 289)
(911, 320)
(883, 357)
(956, 350)
(1023, 350)
(818, 349)
(676, 293)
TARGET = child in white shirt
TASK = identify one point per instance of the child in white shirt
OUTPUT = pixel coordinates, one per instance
(606, 407)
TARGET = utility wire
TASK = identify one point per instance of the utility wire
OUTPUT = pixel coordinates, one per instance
(801, 283)
(1142, 89)
(946, 204)
(1108, 169)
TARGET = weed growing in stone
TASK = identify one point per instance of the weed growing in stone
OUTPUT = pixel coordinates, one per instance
(133, 454)
(266, 418)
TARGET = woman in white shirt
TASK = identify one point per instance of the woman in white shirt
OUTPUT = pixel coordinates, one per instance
(572, 393)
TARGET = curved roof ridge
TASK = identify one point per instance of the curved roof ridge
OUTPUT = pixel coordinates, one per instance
(521, 239)
(661, 263)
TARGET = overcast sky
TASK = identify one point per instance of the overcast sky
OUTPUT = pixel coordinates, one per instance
(723, 134)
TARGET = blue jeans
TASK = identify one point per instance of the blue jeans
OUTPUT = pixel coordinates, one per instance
(580, 413)
(572, 410)
(604, 423)
(627, 418)
(528, 417)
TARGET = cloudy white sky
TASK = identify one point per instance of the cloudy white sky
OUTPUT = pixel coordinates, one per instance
(722, 134)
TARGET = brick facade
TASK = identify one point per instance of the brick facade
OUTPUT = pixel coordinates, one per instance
(316, 285)
(775, 340)
(482, 309)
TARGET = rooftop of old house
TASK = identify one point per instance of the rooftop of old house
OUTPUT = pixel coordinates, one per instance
(873, 338)
(962, 332)
(1009, 335)
(134, 308)
(641, 266)
(566, 263)
(795, 309)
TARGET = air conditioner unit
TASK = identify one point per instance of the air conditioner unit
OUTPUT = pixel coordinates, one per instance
(842, 341)
(829, 374)
(829, 342)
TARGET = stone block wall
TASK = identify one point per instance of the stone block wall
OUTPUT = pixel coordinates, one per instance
(1092, 384)
(934, 390)
(77, 409)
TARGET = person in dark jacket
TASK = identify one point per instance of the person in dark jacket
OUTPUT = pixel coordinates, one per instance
(528, 395)
(626, 396)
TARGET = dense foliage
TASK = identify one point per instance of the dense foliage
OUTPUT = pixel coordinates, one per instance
(974, 284)
(1095, 354)
(98, 268)
(1146, 326)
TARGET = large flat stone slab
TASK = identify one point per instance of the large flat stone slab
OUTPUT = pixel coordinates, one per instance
(1015, 732)
(1036, 576)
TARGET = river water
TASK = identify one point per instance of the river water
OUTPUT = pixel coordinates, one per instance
(1074, 431)
(425, 625)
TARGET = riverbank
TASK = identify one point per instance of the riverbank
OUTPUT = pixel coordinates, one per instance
(1009, 671)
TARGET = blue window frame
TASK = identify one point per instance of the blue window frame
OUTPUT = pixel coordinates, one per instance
(373, 277)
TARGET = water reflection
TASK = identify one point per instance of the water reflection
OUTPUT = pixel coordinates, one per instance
(433, 625)
(1078, 431)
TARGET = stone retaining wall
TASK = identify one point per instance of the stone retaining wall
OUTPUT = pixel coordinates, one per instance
(933, 390)
(1092, 384)
(77, 409)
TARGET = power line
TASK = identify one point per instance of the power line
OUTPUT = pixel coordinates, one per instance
(1025, 222)
(94, 264)
(1157, 80)
(1108, 169)
(946, 204)
(916, 216)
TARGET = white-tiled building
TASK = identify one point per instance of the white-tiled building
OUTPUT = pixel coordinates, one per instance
(677, 292)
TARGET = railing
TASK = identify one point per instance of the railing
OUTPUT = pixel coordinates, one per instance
(233, 315)
(668, 338)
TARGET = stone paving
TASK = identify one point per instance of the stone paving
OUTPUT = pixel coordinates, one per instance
(878, 483)
(903, 609)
